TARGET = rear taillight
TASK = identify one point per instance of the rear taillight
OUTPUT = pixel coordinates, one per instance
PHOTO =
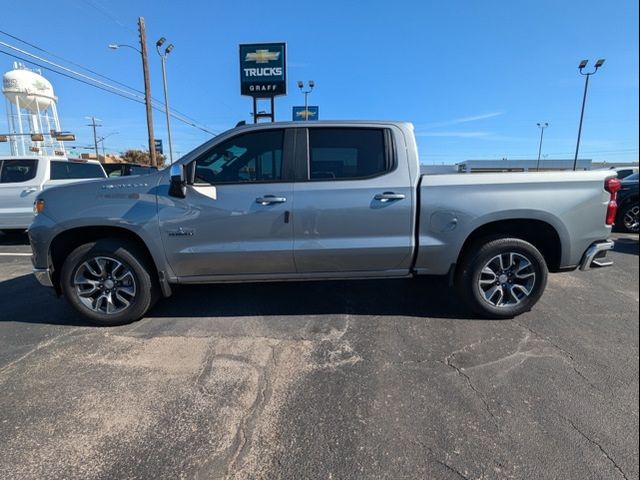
(612, 185)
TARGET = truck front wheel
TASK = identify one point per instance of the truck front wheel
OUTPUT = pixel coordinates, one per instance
(108, 282)
(502, 277)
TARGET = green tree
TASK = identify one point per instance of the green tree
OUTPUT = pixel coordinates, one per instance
(141, 157)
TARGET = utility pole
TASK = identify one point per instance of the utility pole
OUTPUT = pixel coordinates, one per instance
(147, 90)
(95, 135)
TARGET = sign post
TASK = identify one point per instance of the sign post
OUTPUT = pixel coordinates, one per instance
(263, 74)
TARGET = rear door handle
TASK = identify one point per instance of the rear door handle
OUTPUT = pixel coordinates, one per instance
(270, 199)
(388, 196)
(30, 190)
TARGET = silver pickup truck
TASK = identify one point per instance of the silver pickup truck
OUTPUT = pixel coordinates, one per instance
(328, 200)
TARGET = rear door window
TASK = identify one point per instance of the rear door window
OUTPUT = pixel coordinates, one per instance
(18, 171)
(347, 153)
(70, 170)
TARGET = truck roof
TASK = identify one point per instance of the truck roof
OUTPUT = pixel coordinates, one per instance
(48, 158)
(322, 123)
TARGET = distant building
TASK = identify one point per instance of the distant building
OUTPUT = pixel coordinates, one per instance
(504, 165)
(476, 166)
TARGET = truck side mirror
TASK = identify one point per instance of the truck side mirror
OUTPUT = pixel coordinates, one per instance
(177, 184)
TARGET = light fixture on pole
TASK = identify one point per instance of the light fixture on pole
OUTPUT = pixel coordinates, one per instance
(581, 67)
(163, 58)
(542, 126)
(306, 93)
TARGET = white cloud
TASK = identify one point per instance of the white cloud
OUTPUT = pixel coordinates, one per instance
(458, 121)
(453, 134)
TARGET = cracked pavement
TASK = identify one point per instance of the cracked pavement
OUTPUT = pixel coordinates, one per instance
(327, 380)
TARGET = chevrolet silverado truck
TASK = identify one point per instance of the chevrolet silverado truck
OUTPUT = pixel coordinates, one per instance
(328, 200)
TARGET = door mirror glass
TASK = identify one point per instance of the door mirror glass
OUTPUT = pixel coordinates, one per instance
(178, 184)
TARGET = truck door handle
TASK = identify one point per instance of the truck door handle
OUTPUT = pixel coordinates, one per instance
(388, 196)
(30, 190)
(270, 199)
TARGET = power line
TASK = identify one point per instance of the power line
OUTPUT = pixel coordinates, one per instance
(108, 14)
(192, 122)
(69, 76)
(62, 67)
(69, 61)
(93, 72)
(137, 99)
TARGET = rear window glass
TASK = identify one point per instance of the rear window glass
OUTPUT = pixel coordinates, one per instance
(71, 170)
(17, 171)
(346, 153)
(140, 170)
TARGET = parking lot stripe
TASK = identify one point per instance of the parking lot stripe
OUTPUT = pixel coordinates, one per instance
(9, 254)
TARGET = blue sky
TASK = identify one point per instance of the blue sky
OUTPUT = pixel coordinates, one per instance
(473, 76)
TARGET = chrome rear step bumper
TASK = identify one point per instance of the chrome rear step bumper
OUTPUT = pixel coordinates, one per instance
(595, 256)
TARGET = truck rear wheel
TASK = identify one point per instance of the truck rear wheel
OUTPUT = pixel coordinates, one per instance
(108, 282)
(628, 217)
(502, 277)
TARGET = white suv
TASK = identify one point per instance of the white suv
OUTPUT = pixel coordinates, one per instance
(21, 178)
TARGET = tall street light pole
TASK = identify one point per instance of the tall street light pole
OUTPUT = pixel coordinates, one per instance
(147, 85)
(542, 126)
(163, 58)
(306, 93)
(102, 139)
(581, 67)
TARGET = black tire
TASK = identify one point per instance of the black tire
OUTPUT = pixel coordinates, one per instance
(145, 288)
(628, 217)
(478, 257)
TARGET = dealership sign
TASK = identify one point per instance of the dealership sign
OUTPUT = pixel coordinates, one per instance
(263, 69)
(310, 113)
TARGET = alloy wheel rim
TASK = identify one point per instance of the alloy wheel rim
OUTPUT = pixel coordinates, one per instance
(105, 285)
(631, 219)
(507, 279)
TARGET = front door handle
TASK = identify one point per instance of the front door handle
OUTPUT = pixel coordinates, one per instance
(270, 199)
(388, 196)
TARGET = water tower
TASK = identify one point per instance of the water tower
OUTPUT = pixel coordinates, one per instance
(32, 115)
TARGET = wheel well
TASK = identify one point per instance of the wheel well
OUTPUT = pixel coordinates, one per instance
(538, 233)
(67, 241)
(627, 201)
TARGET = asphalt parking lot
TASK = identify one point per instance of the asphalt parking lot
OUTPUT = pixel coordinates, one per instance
(326, 380)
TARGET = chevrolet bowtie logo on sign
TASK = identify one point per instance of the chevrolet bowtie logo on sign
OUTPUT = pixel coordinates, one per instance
(263, 70)
(262, 56)
(310, 113)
